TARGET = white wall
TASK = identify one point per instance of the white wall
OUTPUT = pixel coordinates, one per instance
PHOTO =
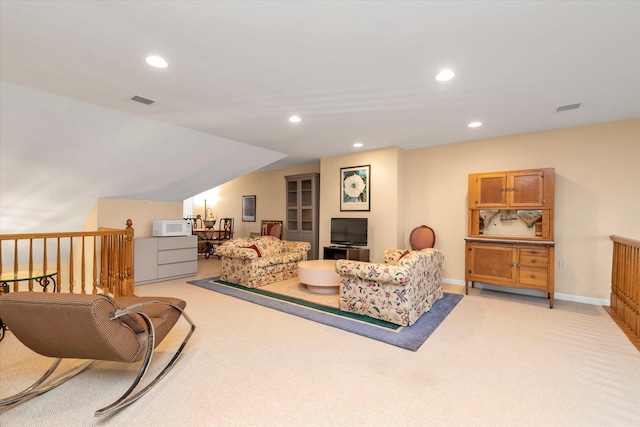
(58, 156)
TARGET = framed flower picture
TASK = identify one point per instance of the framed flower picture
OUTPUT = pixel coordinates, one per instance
(355, 192)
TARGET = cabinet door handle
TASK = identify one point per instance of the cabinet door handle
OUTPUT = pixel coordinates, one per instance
(533, 261)
(514, 265)
(533, 276)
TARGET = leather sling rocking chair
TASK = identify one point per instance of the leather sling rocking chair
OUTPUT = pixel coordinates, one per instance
(96, 327)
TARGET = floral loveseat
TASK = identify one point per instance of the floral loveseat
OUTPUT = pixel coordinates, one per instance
(399, 290)
(261, 260)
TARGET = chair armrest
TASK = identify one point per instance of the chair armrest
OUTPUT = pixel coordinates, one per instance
(383, 273)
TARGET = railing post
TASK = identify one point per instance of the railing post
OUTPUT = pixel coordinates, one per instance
(127, 289)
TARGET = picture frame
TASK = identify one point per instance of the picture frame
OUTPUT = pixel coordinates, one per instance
(248, 208)
(355, 188)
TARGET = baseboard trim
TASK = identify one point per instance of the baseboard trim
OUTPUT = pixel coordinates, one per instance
(533, 293)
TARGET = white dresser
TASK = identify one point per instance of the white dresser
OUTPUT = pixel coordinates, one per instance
(164, 258)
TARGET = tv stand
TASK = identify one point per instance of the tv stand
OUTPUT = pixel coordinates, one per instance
(343, 252)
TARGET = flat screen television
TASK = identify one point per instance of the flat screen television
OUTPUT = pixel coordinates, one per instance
(349, 231)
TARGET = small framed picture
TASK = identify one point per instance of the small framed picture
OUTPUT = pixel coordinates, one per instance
(355, 191)
(249, 208)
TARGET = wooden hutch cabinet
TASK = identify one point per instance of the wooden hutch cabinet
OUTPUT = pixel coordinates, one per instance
(510, 239)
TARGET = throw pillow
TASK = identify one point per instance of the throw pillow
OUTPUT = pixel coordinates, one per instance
(255, 248)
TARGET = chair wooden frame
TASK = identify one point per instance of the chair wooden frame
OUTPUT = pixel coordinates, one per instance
(41, 386)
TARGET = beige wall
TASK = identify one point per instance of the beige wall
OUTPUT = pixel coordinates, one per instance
(269, 189)
(386, 220)
(113, 213)
(597, 194)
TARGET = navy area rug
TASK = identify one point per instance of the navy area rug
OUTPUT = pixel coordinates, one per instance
(407, 337)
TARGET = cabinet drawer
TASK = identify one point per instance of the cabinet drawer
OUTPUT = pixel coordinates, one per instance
(533, 260)
(177, 269)
(535, 251)
(533, 276)
(167, 243)
(177, 255)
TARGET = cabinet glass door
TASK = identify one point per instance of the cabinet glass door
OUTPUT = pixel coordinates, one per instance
(292, 206)
(307, 193)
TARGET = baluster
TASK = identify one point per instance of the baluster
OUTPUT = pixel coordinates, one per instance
(108, 255)
(58, 264)
(95, 267)
(44, 259)
(71, 275)
(103, 263)
(15, 256)
(117, 276)
(15, 263)
(30, 264)
(82, 271)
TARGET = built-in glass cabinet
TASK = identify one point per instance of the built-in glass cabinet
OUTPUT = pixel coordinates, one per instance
(303, 198)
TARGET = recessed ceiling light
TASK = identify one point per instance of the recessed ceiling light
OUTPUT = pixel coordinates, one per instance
(156, 61)
(295, 119)
(358, 144)
(474, 124)
(445, 75)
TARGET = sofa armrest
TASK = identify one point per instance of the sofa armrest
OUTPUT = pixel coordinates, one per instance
(232, 251)
(295, 246)
(384, 273)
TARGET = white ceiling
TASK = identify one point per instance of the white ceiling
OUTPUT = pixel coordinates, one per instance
(353, 70)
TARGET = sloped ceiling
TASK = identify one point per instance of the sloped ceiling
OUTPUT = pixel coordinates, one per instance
(60, 155)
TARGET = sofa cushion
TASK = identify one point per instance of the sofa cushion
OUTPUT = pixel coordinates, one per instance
(269, 260)
(292, 256)
(268, 245)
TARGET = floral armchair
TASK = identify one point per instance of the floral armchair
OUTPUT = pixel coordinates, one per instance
(399, 290)
(254, 262)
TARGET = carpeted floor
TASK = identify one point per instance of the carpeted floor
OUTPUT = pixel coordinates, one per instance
(305, 305)
(499, 360)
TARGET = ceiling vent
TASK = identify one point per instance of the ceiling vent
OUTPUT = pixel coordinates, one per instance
(142, 100)
(568, 107)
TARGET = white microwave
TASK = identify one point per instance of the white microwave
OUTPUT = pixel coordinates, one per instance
(171, 227)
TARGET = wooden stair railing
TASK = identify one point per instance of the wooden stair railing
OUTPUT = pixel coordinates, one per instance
(112, 274)
(625, 287)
